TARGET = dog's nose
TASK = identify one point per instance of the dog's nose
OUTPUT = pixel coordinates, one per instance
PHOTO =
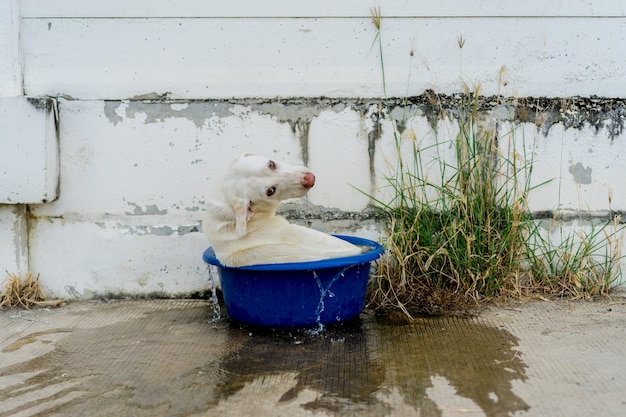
(308, 180)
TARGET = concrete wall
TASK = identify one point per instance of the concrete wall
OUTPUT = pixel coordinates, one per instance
(136, 108)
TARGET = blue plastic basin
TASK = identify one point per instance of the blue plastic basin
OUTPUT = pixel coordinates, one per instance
(300, 294)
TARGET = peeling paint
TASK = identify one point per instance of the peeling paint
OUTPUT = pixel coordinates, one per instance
(198, 112)
(160, 231)
(152, 109)
(152, 96)
(290, 111)
(164, 230)
(607, 114)
(581, 174)
(110, 111)
(151, 210)
(183, 230)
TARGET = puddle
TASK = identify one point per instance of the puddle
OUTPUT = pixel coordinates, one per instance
(162, 363)
(334, 364)
(176, 362)
(381, 368)
(475, 362)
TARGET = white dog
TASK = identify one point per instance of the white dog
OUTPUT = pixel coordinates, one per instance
(241, 223)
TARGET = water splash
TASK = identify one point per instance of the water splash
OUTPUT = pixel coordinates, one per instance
(214, 282)
(325, 291)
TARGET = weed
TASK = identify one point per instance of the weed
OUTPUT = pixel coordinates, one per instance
(25, 294)
(465, 233)
(577, 264)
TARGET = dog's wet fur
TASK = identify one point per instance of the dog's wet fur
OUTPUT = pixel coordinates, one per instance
(241, 221)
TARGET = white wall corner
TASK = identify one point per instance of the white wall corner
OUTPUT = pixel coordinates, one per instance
(10, 56)
(29, 153)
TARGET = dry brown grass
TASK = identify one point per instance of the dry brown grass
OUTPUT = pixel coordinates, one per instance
(24, 294)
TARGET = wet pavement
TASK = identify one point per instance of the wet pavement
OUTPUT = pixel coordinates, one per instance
(170, 358)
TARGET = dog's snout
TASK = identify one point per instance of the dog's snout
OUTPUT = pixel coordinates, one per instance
(308, 180)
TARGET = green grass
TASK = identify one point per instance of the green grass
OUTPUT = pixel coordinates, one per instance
(459, 235)
(459, 229)
(578, 262)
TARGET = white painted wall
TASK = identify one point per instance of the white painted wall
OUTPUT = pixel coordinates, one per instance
(10, 57)
(156, 97)
(13, 228)
(222, 49)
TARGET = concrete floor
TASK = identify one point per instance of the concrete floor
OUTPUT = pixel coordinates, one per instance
(168, 358)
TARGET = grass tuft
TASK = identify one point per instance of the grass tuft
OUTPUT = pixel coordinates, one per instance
(26, 294)
(459, 230)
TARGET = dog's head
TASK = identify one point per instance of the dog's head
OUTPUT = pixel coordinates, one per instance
(255, 183)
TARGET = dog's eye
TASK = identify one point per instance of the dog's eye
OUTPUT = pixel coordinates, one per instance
(271, 165)
(270, 191)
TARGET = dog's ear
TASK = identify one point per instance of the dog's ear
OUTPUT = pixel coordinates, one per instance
(242, 215)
